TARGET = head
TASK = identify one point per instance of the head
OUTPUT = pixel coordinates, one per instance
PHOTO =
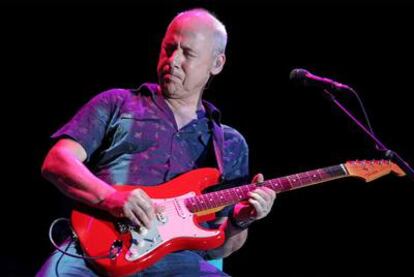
(193, 50)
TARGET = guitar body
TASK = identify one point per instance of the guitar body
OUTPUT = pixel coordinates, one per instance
(175, 227)
(180, 207)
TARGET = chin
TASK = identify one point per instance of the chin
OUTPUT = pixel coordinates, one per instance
(169, 90)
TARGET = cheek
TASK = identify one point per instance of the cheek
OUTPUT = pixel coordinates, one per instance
(162, 59)
(196, 75)
(196, 68)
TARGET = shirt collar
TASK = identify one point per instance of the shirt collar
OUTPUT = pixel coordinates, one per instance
(212, 112)
(154, 89)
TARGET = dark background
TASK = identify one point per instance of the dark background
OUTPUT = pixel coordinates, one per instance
(56, 57)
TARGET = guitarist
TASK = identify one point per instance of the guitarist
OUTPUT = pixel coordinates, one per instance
(150, 135)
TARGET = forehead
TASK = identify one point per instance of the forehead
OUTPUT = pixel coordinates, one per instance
(190, 29)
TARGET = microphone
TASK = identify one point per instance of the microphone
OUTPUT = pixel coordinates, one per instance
(307, 79)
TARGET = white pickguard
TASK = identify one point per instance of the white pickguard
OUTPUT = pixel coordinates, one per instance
(173, 221)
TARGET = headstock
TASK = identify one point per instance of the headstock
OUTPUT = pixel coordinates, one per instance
(371, 170)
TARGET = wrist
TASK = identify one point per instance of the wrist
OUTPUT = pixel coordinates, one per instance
(102, 197)
(241, 217)
(241, 224)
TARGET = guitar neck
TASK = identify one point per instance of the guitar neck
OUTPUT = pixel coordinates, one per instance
(234, 195)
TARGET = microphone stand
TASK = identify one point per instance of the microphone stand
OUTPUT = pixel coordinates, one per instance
(390, 154)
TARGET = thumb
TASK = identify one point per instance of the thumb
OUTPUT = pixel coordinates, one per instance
(258, 178)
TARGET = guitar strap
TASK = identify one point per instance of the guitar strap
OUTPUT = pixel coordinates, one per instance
(218, 135)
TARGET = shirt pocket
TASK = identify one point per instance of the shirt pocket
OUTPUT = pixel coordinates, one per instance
(137, 133)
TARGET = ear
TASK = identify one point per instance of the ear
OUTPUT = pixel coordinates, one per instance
(218, 64)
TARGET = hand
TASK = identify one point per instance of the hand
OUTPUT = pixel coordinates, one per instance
(258, 205)
(134, 205)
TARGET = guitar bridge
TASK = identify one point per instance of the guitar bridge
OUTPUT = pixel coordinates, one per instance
(142, 242)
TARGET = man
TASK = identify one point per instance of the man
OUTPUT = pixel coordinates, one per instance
(151, 135)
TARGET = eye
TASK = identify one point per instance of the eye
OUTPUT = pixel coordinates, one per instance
(189, 53)
(169, 49)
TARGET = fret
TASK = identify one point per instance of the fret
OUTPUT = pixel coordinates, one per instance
(310, 176)
(239, 196)
(188, 204)
(285, 183)
(291, 181)
(221, 197)
(215, 199)
(203, 202)
(299, 176)
(245, 190)
(307, 177)
(230, 196)
(320, 175)
(193, 203)
(209, 199)
(234, 195)
(269, 184)
(316, 176)
(197, 204)
(277, 186)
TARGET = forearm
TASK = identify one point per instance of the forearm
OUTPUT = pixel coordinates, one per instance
(235, 227)
(235, 239)
(73, 178)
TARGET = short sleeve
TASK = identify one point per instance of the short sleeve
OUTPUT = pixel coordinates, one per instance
(90, 124)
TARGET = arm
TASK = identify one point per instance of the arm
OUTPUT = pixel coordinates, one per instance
(258, 206)
(63, 166)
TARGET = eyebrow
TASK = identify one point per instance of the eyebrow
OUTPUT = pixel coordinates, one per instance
(184, 47)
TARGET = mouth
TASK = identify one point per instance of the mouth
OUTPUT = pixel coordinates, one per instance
(168, 76)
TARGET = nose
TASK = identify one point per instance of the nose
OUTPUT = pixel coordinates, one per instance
(175, 58)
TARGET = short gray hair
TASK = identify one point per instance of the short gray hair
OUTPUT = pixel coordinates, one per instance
(220, 33)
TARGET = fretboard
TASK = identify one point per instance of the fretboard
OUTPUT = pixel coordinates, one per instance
(234, 195)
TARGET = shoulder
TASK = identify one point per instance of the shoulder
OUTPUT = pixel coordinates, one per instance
(234, 138)
(117, 100)
(123, 94)
(114, 95)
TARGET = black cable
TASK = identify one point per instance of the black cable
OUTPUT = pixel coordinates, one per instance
(111, 254)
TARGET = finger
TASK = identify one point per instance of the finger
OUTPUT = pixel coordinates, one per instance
(261, 200)
(258, 210)
(268, 194)
(147, 206)
(129, 214)
(263, 194)
(142, 215)
(144, 202)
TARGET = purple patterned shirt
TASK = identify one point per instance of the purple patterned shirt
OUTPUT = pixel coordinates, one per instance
(131, 137)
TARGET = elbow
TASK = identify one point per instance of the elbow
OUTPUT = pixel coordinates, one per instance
(235, 244)
(53, 163)
(240, 241)
(48, 167)
(62, 157)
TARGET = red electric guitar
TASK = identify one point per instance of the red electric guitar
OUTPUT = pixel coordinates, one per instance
(125, 249)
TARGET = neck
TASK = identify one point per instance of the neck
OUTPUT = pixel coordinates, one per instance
(184, 105)
(184, 109)
(234, 195)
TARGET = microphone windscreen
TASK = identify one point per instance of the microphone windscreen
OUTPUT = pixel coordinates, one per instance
(298, 74)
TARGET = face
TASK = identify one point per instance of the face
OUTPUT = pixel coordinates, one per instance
(187, 58)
